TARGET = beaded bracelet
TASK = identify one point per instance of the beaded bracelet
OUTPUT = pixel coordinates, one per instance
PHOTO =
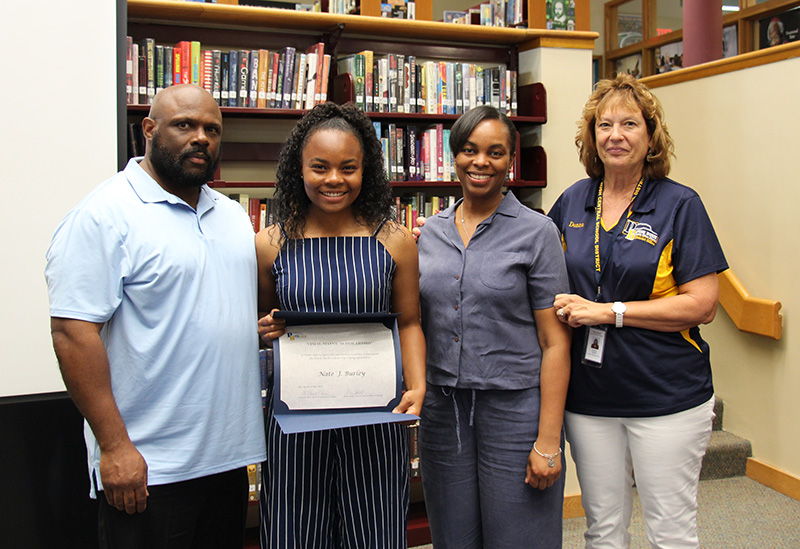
(550, 457)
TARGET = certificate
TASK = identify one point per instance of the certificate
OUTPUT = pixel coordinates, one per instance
(334, 366)
(337, 370)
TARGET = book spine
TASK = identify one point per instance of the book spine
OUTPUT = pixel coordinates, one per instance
(252, 75)
(129, 70)
(168, 70)
(288, 78)
(439, 152)
(224, 82)
(279, 82)
(233, 78)
(159, 68)
(411, 156)
(142, 61)
(147, 48)
(216, 76)
(194, 53)
(401, 66)
(208, 71)
(243, 77)
(272, 78)
(298, 95)
(326, 71)
(263, 72)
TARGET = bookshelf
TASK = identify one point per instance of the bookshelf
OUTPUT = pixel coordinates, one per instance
(253, 136)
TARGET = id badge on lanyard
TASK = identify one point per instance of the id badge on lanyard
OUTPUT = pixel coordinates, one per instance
(595, 340)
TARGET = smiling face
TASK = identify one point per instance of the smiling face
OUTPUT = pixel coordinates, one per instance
(332, 170)
(622, 139)
(483, 161)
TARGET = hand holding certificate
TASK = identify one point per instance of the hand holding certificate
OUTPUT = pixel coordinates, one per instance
(336, 370)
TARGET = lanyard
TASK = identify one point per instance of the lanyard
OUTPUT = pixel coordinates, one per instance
(600, 265)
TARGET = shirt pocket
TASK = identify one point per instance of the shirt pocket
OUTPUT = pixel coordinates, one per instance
(500, 270)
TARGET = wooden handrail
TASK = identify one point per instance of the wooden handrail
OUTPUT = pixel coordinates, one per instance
(750, 314)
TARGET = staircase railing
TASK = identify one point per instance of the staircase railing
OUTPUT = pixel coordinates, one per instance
(750, 314)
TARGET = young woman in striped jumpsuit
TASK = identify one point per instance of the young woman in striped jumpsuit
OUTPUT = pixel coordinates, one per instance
(334, 249)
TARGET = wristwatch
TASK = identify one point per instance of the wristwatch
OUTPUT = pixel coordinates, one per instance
(619, 309)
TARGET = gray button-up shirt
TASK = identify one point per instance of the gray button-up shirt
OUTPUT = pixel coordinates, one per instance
(478, 302)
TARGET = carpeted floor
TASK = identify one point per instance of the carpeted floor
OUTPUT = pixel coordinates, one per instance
(735, 513)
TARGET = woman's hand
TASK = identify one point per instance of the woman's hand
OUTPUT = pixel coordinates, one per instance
(416, 230)
(270, 328)
(539, 474)
(577, 311)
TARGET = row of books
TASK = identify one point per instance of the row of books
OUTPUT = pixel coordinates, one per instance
(411, 206)
(260, 210)
(413, 153)
(495, 13)
(264, 79)
(404, 84)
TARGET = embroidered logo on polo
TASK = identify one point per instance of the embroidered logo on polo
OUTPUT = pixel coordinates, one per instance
(573, 225)
(640, 231)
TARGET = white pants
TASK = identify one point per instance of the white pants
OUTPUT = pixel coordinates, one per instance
(666, 454)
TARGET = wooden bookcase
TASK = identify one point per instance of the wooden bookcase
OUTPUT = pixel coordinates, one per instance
(255, 136)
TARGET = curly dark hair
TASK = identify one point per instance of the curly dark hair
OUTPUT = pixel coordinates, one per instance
(374, 202)
(628, 92)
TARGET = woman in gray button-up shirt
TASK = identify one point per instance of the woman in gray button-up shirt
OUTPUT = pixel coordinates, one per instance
(498, 358)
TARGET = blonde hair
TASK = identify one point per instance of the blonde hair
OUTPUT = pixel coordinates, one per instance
(625, 91)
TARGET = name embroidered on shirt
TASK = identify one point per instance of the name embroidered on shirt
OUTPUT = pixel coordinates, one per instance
(640, 231)
(574, 225)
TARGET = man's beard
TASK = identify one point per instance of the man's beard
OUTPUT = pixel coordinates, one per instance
(170, 166)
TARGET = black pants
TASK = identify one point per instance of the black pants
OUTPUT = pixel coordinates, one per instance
(204, 512)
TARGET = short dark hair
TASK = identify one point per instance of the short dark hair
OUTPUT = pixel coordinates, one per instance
(627, 91)
(467, 122)
(374, 202)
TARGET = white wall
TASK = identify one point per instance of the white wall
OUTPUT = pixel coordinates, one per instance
(59, 110)
(737, 145)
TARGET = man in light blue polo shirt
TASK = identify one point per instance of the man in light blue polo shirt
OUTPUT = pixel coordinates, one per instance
(152, 284)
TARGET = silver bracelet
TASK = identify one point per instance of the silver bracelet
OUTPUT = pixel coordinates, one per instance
(550, 457)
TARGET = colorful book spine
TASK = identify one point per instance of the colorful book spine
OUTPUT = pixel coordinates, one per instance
(263, 72)
(194, 53)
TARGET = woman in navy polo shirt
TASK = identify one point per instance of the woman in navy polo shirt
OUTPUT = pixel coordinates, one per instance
(643, 259)
(498, 359)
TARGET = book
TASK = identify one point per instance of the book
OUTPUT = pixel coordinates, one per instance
(368, 84)
(159, 61)
(299, 84)
(195, 62)
(233, 78)
(263, 71)
(243, 79)
(207, 67)
(254, 210)
(312, 78)
(288, 77)
(142, 66)
(216, 75)
(168, 70)
(252, 90)
(272, 78)
(129, 70)
(147, 52)
(224, 83)
(181, 62)
(279, 74)
(326, 71)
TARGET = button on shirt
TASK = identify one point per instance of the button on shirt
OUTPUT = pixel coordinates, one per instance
(478, 302)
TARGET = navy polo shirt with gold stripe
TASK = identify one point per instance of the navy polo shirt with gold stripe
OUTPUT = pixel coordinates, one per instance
(667, 241)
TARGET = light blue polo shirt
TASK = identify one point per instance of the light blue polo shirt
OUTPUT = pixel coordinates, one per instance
(176, 289)
(478, 302)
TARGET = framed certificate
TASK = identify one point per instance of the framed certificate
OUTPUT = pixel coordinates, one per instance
(337, 370)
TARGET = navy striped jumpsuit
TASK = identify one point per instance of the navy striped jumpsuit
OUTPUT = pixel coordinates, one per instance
(340, 487)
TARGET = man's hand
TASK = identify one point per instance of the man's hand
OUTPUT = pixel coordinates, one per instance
(123, 472)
